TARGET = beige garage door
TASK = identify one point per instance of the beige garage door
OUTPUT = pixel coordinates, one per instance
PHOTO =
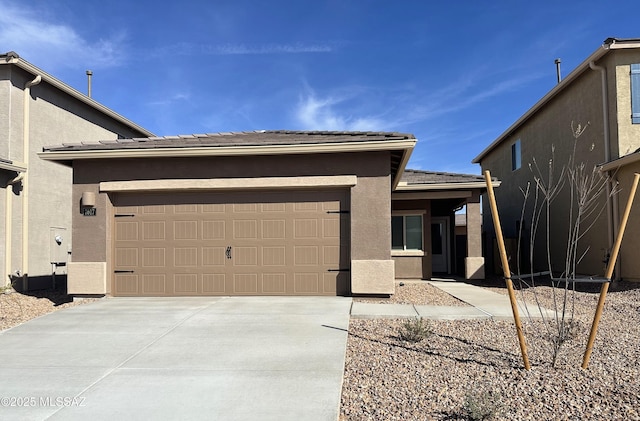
(253, 243)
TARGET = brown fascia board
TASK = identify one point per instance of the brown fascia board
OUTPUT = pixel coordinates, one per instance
(30, 68)
(404, 145)
(609, 44)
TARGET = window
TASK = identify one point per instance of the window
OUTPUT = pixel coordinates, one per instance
(516, 155)
(406, 232)
(635, 93)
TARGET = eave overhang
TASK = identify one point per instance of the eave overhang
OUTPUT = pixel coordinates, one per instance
(30, 68)
(401, 151)
(608, 45)
(444, 186)
(12, 166)
(620, 162)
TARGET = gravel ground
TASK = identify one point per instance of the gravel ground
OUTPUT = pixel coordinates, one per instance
(17, 308)
(416, 292)
(479, 361)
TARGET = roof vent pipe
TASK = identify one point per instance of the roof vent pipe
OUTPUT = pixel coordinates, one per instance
(89, 74)
(557, 62)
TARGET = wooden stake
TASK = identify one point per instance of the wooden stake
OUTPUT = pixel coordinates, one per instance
(609, 273)
(506, 271)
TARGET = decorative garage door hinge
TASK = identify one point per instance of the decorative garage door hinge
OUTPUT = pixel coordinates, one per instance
(123, 215)
(122, 271)
(340, 211)
(339, 270)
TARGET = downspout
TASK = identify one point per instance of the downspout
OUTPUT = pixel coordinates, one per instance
(25, 180)
(612, 205)
(8, 224)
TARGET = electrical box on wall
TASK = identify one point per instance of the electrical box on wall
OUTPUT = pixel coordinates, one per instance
(58, 245)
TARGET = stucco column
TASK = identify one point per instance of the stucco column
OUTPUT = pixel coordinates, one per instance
(474, 262)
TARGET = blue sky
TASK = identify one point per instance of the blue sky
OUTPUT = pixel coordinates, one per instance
(456, 74)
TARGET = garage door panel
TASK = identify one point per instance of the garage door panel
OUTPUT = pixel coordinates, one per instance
(213, 256)
(154, 284)
(273, 207)
(185, 256)
(153, 230)
(214, 283)
(305, 228)
(126, 231)
(185, 230)
(307, 283)
(153, 257)
(126, 257)
(274, 229)
(274, 256)
(244, 256)
(127, 284)
(154, 209)
(274, 283)
(245, 283)
(245, 229)
(186, 283)
(185, 209)
(306, 255)
(260, 243)
(213, 230)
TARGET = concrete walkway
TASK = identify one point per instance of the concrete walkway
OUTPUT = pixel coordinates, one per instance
(238, 358)
(483, 304)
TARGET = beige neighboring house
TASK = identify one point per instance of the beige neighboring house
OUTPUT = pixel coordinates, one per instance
(600, 99)
(261, 213)
(36, 109)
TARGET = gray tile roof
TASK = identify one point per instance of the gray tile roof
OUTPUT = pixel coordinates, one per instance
(433, 177)
(230, 139)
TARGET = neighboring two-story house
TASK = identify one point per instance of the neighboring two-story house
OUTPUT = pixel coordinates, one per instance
(595, 109)
(37, 109)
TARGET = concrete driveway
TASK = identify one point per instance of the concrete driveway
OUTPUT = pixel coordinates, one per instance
(238, 358)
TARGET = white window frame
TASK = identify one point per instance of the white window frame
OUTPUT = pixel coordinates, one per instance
(404, 251)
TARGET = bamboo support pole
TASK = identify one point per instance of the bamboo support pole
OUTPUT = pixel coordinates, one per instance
(610, 266)
(506, 271)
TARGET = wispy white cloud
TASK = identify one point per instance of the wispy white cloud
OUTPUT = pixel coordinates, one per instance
(171, 99)
(52, 45)
(191, 49)
(315, 113)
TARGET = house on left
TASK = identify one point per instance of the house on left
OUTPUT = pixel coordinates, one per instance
(35, 196)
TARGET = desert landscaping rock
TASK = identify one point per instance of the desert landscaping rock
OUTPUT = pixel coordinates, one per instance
(386, 378)
(416, 292)
(17, 308)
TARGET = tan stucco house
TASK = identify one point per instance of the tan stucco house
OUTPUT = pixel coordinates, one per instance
(261, 213)
(599, 103)
(35, 196)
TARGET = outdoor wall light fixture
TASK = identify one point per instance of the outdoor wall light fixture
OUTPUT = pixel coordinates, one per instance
(88, 203)
(88, 199)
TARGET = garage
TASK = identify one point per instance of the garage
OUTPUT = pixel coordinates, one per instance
(240, 213)
(236, 243)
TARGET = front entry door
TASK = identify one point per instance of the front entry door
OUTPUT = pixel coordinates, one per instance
(440, 245)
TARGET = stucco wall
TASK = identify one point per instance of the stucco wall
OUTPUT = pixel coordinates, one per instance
(628, 258)
(370, 199)
(551, 129)
(54, 118)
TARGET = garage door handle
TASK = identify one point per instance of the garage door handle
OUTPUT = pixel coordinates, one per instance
(228, 252)
(122, 271)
